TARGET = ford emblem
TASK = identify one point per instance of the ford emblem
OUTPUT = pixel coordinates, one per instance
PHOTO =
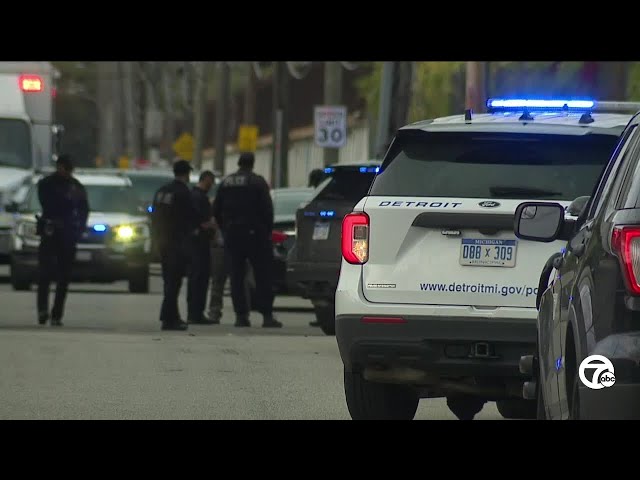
(489, 204)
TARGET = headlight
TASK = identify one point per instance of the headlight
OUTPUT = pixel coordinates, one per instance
(26, 229)
(126, 233)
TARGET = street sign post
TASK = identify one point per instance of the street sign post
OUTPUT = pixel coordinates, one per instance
(183, 146)
(248, 138)
(330, 124)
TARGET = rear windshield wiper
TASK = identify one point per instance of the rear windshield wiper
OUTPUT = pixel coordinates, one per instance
(527, 192)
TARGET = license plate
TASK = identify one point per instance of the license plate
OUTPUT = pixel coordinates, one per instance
(321, 230)
(83, 256)
(484, 252)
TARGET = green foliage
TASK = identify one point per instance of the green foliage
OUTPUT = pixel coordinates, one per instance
(633, 85)
(436, 89)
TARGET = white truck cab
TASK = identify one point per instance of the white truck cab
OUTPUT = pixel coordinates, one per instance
(27, 132)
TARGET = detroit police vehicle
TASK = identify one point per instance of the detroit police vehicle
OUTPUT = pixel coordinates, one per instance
(115, 246)
(436, 295)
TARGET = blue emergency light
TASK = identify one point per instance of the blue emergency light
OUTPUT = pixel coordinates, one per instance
(327, 213)
(100, 228)
(329, 170)
(369, 169)
(520, 104)
(150, 209)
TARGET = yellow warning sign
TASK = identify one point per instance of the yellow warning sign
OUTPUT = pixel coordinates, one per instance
(248, 138)
(183, 146)
(123, 162)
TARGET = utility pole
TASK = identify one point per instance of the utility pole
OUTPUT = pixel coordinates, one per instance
(169, 103)
(131, 112)
(105, 107)
(250, 97)
(221, 116)
(476, 86)
(332, 97)
(200, 103)
(401, 94)
(119, 116)
(384, 108)
(280, 150)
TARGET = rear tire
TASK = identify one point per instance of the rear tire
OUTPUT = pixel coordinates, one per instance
(518, 409)
(139, 280)
(325, 316)
(378, 401)
(19, 280)
(465, 407)
(575, 400)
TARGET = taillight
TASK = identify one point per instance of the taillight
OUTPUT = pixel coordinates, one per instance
(625, 242)
(31, 83)
(387, 320)
(278, 237)
(355, 238)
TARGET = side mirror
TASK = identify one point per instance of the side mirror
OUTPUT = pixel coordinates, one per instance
(577, 206)
(539, 221)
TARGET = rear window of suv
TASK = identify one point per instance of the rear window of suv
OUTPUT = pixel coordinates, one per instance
(347, 184)
(493, 165)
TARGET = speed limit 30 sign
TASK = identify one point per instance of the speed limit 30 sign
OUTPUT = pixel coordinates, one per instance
(330, 126)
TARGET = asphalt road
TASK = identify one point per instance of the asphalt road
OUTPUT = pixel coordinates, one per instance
(111, 361)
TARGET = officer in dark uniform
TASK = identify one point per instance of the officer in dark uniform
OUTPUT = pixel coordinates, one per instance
(200, 266)
(172, 222)
(244, 210)
(65, 209)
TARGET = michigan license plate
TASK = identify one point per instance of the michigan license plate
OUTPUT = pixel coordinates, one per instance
(485, 252)
(321, 230)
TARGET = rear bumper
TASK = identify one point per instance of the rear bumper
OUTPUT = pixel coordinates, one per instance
(314, 279)
(621, 401)
(104, 265)
(446, 347)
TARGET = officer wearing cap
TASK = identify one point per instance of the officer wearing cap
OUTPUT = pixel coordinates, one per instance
(172, 223)
(244, 210)
(65, 209)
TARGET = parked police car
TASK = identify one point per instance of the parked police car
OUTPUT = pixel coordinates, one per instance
(115, 245)
(592, 307)
(436, 295)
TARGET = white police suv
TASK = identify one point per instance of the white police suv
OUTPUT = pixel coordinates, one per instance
(115, 246)
(436, 296)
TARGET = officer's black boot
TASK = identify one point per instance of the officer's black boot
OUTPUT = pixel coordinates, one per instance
(56, 322)
(43, 318)
(242, 321)
(270, 322)
(175, 325)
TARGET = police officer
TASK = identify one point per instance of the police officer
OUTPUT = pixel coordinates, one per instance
(244, 210)
(65, 209)
(172, 222)
(219, 274)
(200, 267)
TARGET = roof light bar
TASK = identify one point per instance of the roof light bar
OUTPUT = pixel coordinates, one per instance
(505, 104)
(523, 104)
